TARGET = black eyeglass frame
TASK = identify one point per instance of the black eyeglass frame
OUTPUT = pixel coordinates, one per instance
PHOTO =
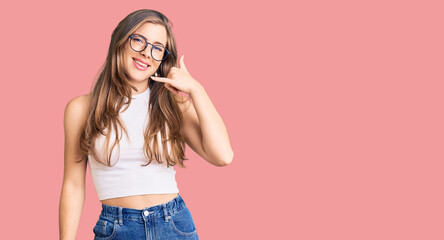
(146, 45)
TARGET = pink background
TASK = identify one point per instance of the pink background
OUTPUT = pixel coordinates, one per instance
(334, 110)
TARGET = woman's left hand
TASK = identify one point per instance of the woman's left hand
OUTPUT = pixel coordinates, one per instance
(179, 79)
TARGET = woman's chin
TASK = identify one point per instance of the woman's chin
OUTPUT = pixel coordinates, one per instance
(139, 78)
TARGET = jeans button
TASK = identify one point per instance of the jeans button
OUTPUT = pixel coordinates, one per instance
(146, 213)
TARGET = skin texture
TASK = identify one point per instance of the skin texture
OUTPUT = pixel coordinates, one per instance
(203, 129)
(138, 78)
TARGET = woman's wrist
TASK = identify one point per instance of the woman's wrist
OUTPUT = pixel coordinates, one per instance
(198, 90)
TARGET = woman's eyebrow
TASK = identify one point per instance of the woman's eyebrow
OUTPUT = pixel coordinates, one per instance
(147, 38)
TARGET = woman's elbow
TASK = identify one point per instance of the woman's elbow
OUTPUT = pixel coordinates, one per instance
(225, 160)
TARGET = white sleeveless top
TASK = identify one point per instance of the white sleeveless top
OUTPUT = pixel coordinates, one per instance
(127, 177)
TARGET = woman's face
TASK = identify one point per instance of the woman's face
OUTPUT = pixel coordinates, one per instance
(137, 73)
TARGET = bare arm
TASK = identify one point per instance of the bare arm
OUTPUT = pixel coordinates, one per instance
(72, 196)
(204, 129)
(214, 139)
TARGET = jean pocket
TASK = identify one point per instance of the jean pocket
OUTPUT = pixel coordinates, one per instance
(182, 223)
(105, 229)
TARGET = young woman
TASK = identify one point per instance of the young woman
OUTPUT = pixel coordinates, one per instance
(132, 129)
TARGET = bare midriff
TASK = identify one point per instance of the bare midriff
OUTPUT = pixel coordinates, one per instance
(140, 201)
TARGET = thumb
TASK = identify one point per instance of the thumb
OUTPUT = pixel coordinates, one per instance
(182, 64)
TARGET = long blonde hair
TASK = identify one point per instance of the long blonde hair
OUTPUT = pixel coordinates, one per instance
(108, 95)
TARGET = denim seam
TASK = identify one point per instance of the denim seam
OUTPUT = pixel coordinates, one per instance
(180, 232)
(174, 211)
(113, 234)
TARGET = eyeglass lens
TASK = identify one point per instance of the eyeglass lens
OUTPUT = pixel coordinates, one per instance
(138, 44)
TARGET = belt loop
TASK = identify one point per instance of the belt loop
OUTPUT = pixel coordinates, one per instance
(165, 212)
(120, 216)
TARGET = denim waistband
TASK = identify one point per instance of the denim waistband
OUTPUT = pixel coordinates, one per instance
(165, 210)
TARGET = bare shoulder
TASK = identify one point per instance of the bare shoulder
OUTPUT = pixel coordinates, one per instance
(78, 102)
(76, 110)
(74, 120)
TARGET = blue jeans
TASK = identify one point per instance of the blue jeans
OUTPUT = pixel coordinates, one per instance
(171, 220)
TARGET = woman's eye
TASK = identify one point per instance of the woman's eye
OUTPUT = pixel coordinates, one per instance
(138, 39)
(158, 48)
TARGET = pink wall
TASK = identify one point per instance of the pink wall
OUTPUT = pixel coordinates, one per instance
(334, 110)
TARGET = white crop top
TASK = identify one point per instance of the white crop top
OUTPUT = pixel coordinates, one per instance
(127, 177)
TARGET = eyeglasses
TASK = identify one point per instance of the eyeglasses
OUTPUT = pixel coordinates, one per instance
(139, 43)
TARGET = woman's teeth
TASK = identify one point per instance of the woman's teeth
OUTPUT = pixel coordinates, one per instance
(141, 64)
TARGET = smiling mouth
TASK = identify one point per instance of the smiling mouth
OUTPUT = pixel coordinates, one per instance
(139, 65)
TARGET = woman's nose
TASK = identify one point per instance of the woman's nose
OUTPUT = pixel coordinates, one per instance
(146, 52)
